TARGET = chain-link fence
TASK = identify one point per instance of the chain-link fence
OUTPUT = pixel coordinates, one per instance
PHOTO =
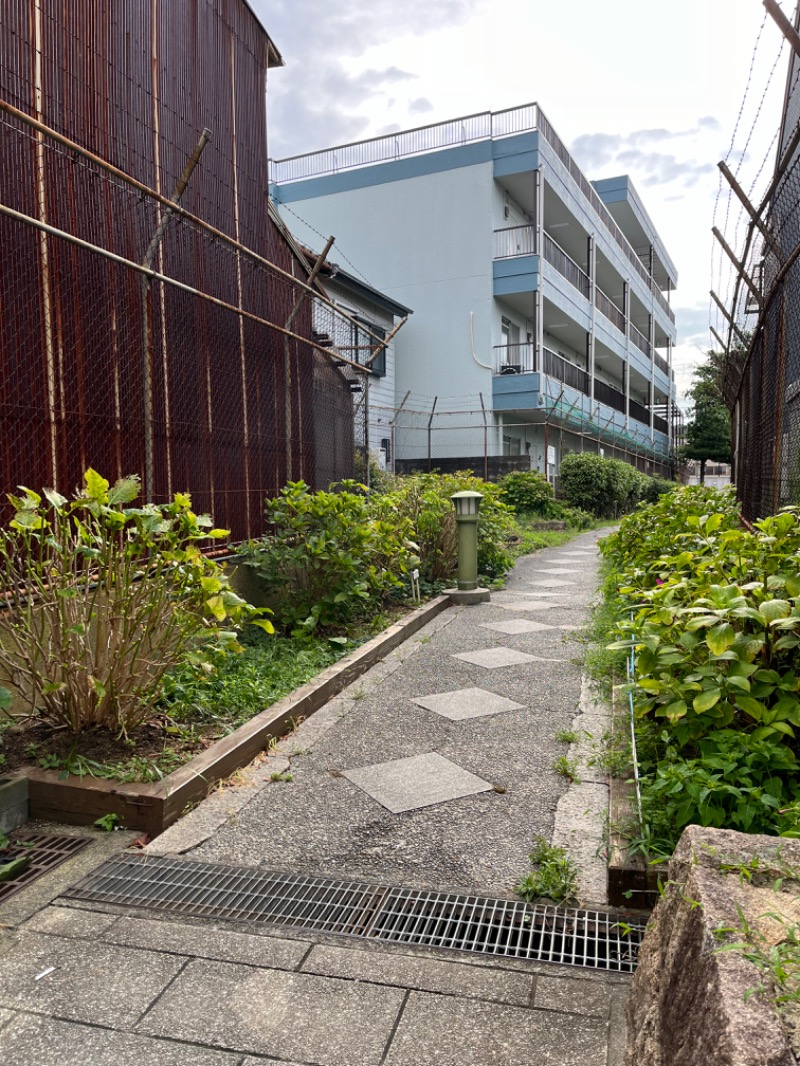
(430, 436)
(180, 341)
(758, 276)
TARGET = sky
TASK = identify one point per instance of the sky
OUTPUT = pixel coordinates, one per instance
(661, 92)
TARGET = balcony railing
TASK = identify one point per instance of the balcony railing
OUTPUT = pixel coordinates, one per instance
(565, 372)
(512, 241)
(662, 364)
(514, 358)
(609, 309)
(478, 127)
(639, 339)
(557, 257)
(521, 359)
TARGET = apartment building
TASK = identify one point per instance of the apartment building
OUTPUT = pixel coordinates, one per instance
(542, 320)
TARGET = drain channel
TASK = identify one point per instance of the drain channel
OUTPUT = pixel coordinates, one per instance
(480, 924)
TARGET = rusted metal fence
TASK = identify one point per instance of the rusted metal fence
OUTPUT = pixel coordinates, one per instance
(757, 322)
(180, 341)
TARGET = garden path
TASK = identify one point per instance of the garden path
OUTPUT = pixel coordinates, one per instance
(435, 770)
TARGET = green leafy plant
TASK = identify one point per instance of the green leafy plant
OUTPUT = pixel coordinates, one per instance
(566, 768)
(528, 492)
(108, 822)
(101, 599)
(605, 487)
(567, 736)
(554, 875)
(333, 557)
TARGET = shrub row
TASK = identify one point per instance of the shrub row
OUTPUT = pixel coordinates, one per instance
(712, 612)
(607, 487)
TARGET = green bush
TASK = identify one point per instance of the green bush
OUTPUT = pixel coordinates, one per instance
(607, 487)
(102, 600)
(528, 492)
(333, 558)
(712, 612)
(424, 499)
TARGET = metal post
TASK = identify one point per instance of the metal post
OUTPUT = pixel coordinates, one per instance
(467, 505)
(430, 422)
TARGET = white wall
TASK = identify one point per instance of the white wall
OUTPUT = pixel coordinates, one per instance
(426, 241)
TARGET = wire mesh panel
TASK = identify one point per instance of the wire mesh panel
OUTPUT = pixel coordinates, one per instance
(182, 344)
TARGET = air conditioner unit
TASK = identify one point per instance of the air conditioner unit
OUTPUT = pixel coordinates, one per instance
(511, 368)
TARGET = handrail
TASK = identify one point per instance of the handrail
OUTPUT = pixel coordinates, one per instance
(557, 257)
(515, 358)
(514, 240)
(607, 307)
(639, 339)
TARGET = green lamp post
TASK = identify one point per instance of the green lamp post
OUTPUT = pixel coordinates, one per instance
(467, 505)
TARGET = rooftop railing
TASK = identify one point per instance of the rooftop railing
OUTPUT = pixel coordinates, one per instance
(481, 126)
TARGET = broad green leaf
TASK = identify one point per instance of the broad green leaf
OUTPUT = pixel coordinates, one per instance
(125, 490)
(54, 498)
(263, 623)
(720, 638)
(216, 606)
(96, 486)
(750, 706)
(773, 609)
(706, 700)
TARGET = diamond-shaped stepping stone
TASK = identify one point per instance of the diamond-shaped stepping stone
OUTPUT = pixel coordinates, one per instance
(558, 571)
(408, 784)
(516, 625)
(466, 703)
(553, 582)
(494, 658)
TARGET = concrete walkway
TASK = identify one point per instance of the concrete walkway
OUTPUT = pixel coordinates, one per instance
(434, 770)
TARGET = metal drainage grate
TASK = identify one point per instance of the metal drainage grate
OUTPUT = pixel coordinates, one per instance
(375, 912)
(43, 853)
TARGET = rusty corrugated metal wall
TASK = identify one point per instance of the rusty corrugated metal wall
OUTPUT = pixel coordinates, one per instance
(92, 371)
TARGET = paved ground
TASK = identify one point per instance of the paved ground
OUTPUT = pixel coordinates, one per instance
(435, 769)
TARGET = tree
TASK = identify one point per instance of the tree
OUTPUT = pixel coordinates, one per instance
(708, 434)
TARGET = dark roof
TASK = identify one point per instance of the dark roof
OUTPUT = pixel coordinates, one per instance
(345, 280)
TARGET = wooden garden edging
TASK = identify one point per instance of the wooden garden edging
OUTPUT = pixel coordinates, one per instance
(152, 807)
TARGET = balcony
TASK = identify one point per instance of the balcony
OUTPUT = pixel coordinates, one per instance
(513, 241)
(511, 359)
(568, 268)
(608, 308)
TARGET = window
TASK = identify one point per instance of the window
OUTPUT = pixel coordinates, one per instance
(364, 345)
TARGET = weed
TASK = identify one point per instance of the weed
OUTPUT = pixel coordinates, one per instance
(109, 822)
(285, 777)
(567, 768)
(554, 875)
(567, 736)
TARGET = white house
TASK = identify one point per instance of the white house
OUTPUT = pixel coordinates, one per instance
(542, 320)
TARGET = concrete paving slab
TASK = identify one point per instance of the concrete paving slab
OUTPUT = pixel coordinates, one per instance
(421, 781)
(517, 625)
(496, 658)
(268, 1012)
(35, 1041)
(64, 921)
(558, 571)
(406, 971)
(443, 1031)
(580, 827)
(89, 982)
(465, 703)
(553, 582)
(209, 942)
(572, 996)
